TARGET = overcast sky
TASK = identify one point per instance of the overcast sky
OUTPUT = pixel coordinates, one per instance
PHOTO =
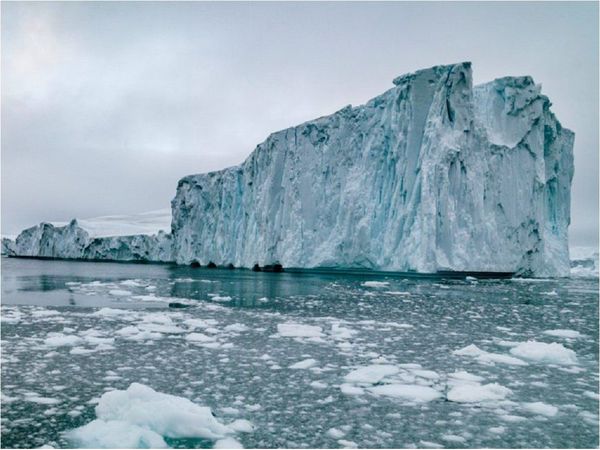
(106, 105)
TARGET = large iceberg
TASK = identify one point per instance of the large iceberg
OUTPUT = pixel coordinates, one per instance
(432, 175)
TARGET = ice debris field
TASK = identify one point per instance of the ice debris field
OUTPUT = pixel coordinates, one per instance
(118, 355)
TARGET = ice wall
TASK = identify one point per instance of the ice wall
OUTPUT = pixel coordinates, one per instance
(73, 242)
(431, 175)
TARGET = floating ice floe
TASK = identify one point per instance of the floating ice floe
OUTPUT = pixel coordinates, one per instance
(569, 334)
(541, 408)
(141, 417)
(305, 364)
(477, 393)
(375, 284)
(62, 340)
(541, 352)
(407, 382)
(290, 329)
(486, 357)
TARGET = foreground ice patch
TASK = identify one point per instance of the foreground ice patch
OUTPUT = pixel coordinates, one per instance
(141, 417)
(541, 352)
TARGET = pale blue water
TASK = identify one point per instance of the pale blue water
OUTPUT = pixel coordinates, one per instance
(247, 375)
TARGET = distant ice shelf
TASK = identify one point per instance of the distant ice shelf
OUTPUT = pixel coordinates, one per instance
(432, 175)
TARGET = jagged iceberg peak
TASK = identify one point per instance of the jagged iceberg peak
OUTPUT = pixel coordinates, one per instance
(434, 174)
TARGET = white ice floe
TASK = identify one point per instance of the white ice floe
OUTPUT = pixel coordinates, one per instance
(140, 416)
(477, 393)
(290, 329)
(569, 334)
(465, 376)
(487, 357)
(411, 392)
(62, 340)
(375, 284)
(305, 364)
(541, 352)
(371, 374)
(541, 408)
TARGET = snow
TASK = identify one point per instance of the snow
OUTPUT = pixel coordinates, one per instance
(291, 329)
(305, 364)
(541, 352)
(569, 334)
(541, 408)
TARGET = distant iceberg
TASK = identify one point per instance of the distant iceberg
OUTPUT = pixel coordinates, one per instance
(432, 175)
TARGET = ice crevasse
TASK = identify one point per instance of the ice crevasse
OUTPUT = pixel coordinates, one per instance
(433, 175)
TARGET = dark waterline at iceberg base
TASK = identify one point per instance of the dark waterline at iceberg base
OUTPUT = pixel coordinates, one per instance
(282, 351)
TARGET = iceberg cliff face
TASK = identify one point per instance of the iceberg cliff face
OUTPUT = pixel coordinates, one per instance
(434, 174)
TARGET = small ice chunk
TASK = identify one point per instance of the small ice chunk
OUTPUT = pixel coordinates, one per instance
(199, 337)
(304, 364)
(119, 292)
(487, 357)
(541, 408)
(411, 392)
(541, 352)
(465, 376)
(469, 393)
(570, 334)
(335, 433)
(375, 284)
(62, 340)
(371, 374)
(290, 329)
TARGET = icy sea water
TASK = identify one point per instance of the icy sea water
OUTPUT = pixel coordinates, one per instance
(72, 331)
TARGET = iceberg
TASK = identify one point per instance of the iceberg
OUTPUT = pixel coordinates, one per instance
(433, 175)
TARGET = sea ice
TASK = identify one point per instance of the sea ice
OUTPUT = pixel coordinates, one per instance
(371, 374)
(298, 330)
(410, 392)
(305, 364)
(477, 393)
(541, 408)
(570, 334)
(541, 352)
